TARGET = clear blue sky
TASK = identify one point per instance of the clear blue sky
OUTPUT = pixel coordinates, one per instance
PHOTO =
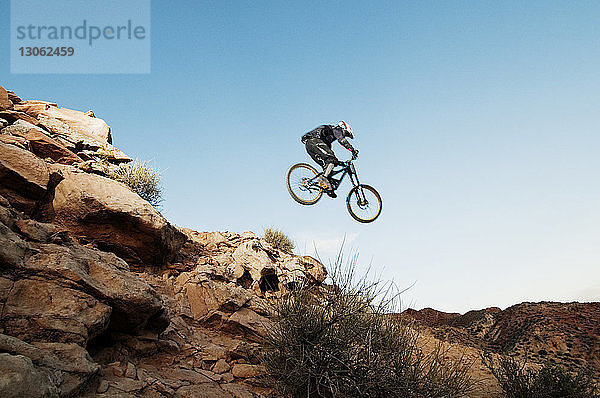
(477, 121)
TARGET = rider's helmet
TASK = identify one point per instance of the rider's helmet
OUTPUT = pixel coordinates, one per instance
(346, 128)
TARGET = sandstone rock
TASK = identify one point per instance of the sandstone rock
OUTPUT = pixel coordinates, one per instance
(20, 378)
(221, 366)
(203, 391)
(102, 387)
(127, 385)
(244, 371)
(20, 128)
(247, 322)
(130, 371)
(76, 130)
(13, 97)
(42, 311)
(24, 178)
(134, 303)
(45, 147)
(81, 122)
(19, 142)
(12, 248)
(3, 123)
(207, 296)
(238, 391)
(68, 365)
(100, 210)
(5, 102)
(36, 231)
(12, 116)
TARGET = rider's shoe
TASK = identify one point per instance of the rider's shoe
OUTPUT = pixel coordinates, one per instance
(325, 184)
(331, 194)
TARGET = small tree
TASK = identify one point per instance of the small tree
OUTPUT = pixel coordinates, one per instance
(548, 381)
(340, 341)
(141, 179)
(278, 240)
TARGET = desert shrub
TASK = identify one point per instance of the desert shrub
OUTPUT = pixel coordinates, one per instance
(278, 240)
(548, 381)
(141, 179)
(341, 341)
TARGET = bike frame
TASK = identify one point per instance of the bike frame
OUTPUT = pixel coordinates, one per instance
(348, 169)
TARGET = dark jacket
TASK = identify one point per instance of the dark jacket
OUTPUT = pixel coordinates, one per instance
(328, 133)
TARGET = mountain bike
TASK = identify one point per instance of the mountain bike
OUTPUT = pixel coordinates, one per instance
(363, 201)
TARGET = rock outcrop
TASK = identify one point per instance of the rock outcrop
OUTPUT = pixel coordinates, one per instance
(106, 213)
(100, 296)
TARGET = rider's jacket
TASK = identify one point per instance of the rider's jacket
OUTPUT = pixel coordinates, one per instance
(328, 134)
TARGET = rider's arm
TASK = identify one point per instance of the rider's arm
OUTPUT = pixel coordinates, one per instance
(339, 135)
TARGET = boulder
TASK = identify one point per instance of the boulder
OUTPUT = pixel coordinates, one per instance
(20, 378)
(44, 311)
(107, 213)
(244, 371)
(5, 102)
(41, 144)
(84, 123)
(20, 128)
(65, 369)
(134, 303)
(12, 116)
(19, 142)
(74, 129)
(207, 296)
(3, 123)
(46, 147)
(24, 178)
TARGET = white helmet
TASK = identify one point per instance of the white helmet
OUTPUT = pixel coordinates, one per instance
(347, 129)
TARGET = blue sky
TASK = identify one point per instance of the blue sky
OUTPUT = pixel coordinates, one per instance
(477, 122)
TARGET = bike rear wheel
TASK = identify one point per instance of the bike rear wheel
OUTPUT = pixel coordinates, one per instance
(364, 203)
(300, 184)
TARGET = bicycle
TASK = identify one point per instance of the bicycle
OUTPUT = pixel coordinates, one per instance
(303, 185)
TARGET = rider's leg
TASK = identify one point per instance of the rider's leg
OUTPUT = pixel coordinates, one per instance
(320, 152)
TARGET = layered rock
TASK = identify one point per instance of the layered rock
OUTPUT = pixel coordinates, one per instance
(108, 214)
(55, 297)
(100, 295)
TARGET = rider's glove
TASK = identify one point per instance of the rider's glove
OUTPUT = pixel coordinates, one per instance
(354, 154)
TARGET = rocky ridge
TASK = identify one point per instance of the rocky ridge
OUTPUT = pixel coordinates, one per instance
(100, 295)
(564, 333)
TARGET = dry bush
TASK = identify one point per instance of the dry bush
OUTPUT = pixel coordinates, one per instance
(141, 179)
(549, 381)
(339, 341)
(279, 240)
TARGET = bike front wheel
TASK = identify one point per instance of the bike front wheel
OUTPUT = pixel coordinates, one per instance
(364, 203)
(300, 182)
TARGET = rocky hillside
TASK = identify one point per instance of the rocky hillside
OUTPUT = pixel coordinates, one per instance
(565, 333)
(99, 294)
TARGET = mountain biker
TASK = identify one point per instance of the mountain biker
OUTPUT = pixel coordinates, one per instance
(318, 145)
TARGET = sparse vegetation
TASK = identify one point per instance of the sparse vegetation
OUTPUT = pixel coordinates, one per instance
(141, 178)
(548, 381)
(279, 240)
(340, 341)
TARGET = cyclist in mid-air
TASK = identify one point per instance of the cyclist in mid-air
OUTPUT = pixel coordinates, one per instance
(318, 145)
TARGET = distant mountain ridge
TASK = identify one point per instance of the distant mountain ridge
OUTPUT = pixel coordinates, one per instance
(565, 333)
